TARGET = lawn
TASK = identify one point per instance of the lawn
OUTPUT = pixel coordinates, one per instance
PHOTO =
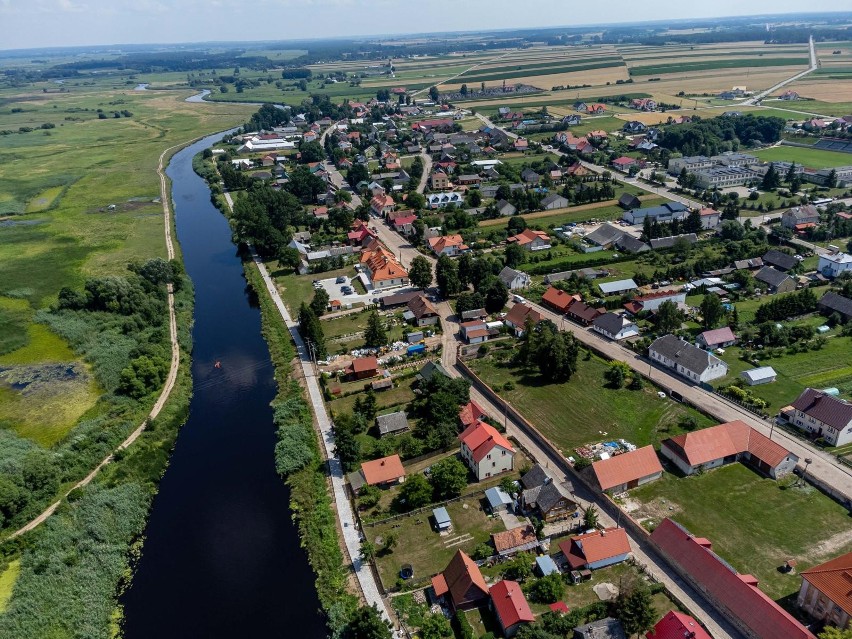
(584, 411)
(811, 158)
(392, 397)
(754, 523)
(684, 67)
(426, 550)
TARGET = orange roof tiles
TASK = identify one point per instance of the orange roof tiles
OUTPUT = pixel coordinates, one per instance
(731, 438)
(509, 602)
(627, 467)
(597, 546)
(380, 471)
(514, 538)
(470, 413)
(834, 580)
(462, 579)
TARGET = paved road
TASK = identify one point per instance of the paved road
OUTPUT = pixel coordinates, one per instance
(813, 67)
(174, 365)
(427, 169)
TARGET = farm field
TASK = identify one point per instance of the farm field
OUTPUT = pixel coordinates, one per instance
(748, 519)
(811, 158)
(584, 411)
(606, 210)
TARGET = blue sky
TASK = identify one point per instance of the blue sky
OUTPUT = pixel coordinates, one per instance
(41, 23)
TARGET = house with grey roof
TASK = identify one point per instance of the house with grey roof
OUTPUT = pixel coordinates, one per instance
(807, 214)
(514, 279)
(607, 628)
(554, 201)
(605, 235)
(834, 303)
(780, 260)
(687, 360)
(822, 415)
(664, 213)
(671, 240)
(505, 208)
(630, 244)
(617, 287)
(614, 326)
(587, 273)
(392, 423)
(775, 280)
(629, 201)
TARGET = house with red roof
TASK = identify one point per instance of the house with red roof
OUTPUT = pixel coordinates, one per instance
(515, 540)
(485, 450)
(362, 368)
(737, 596)
(596, 549)
(826, 592)
(558, 299)
(624, 163)
(470, 413)
(677, 625)
(517, 316)
(383, 472)
(451, 245)
(582, 313)
(725, 444)
(404, 224)
(381, 205)
(510, 606)
(531, 240)
(461, 583)
(360, 234)
(628, 470)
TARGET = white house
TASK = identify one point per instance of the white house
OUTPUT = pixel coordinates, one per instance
(823, 416)
(486, 451)
(513, 279)
(687, 360)
(834, 264)
(614, 326)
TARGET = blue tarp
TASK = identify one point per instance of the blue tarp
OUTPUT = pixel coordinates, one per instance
(416, 348)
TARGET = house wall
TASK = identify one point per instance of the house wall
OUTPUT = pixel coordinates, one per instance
(608, 562)
(821, 607)
(397, 281)
(833, 269)
(427, 321)
(832, 436)
(787, 466)
(499, 460)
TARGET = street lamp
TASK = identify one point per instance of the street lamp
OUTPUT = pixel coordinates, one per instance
(808, 462)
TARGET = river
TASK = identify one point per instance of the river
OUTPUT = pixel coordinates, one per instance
(221, 556)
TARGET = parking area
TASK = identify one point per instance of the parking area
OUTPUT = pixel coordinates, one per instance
(335, 289)
(334, 286)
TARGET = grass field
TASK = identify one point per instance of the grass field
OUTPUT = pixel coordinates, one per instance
(426, 550)
(7, 582)
(606, 210)
(703, 65)
(581, 410)
(811, 158)
(753, 522)
(57, 184)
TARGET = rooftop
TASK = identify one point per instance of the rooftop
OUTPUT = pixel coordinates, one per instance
(379, 471)
(627, 467)
(731, 438)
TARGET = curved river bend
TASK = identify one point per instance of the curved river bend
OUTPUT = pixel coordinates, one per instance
(222, 555)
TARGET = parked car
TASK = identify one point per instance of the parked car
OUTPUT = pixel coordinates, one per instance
(340, 280)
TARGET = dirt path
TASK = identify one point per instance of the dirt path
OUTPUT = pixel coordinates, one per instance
(173, 367)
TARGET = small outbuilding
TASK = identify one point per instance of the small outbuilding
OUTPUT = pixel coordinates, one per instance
(392, 423)
(762, 375)
(498, 499)
(442, 519)
(545, 565)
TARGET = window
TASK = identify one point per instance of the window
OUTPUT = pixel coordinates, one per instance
(493, 464)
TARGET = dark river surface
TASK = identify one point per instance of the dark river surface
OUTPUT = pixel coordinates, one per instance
(222, 555)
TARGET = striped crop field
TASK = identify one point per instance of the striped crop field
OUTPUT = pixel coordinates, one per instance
(681, 67)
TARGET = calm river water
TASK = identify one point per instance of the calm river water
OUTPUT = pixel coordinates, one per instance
(222, 555)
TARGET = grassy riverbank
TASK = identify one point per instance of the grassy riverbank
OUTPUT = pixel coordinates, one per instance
(298, 459)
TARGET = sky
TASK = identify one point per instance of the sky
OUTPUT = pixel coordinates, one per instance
(46, 23)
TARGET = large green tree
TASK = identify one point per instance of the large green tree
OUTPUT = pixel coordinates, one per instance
(514, 255)
(420, 272)
(447, 275)
(375, 335)
(367, 623)
(448, 478)
(636, 611)
(415, 492)
(311, 331)
(712, 311)
(319, 304)
(496, 296)
(668, 318)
